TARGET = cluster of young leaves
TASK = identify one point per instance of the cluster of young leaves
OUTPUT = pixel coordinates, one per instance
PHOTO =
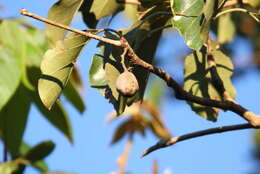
(20, 70)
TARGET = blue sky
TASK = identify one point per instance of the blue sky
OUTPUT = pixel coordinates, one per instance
(224, 153)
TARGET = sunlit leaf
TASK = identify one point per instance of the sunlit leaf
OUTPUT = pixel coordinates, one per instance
(57, 66)
(8, 167)
(102, 8)
(194, 25)
(13, 119)
(61, 12)
(226, 29)
(198, 80)
(11, 59)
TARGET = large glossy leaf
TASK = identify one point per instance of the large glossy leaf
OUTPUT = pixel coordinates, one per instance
(11, 59)
(57, 66)
(102, 8)
(194, 25)
(226, 28)
(13, 119)
(198, 80)
(61, 12)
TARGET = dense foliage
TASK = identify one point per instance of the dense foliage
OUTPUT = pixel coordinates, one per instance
(42, 67)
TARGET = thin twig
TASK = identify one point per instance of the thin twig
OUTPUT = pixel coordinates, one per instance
(122, 160)
(253, 15)
(174, 140)
(233, 2)
(135, 2)
(87, 34)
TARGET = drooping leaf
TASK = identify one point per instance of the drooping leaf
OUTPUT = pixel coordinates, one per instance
(194, 25)
(13, 119)
(198, 80)
(130, 126)
(57, 66)
(226, 29)
(11, 59)
(102, 8)
(131, 11)
(88, 17)
(106, 66)
(36, 45)
(39, 152)
(97, 74)
(57, 116)
(156, 92)
(39, 165)
(71, 93)
(8, 167)
(61, 12)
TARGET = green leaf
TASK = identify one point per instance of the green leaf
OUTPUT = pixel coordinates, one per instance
(106, 66)
(13, 119)
(39, 152)
(88, 17)
(131, 11)
(156, 91)
(226, 28)
(102, 8)
(97, 74)
(61, 12)
(57, 66)
(73, 96)
(194, 25)
(40, 164)
(58, 117)
(198, 80)
(11, 59)
(36, 46)
(8, 167)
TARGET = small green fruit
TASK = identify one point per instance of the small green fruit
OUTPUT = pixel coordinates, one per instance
(127, 84)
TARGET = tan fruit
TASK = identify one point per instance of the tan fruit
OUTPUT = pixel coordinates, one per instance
(127, 84)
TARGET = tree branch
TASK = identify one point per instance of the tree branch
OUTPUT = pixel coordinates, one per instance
(135, 2)
(174, 140)
(87, 34)
(180, 93)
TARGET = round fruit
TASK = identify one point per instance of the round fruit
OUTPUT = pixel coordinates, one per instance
(127, 84)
